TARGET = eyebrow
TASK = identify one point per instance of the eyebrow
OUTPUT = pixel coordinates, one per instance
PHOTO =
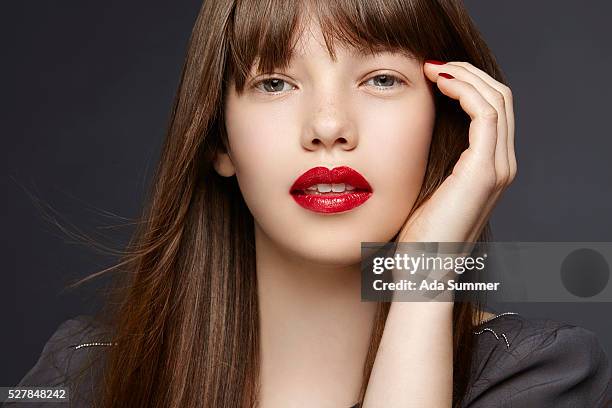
(355, 52)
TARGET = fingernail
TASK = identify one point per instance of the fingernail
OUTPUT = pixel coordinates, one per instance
(445, 75)
(436, 62)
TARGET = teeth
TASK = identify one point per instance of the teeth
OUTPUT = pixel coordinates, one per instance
(326, 188)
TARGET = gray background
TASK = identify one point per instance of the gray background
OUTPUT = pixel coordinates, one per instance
(87, 90)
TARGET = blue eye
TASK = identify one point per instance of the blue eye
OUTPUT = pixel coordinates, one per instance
(385, 81)
(272, 85)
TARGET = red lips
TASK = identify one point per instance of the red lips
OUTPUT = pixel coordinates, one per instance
(322, 175)
(331, 202)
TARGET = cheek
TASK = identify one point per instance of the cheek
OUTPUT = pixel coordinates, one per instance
(263, 150)
(399, 136)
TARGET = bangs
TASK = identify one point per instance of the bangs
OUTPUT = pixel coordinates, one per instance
(266, 32)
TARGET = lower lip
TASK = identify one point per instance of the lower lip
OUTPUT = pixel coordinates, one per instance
(332, 202)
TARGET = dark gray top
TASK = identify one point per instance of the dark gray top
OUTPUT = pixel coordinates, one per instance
(518, 362)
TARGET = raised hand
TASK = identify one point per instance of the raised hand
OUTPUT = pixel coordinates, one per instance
(414, 362)
(458, 210)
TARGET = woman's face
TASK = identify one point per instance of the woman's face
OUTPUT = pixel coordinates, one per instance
(374, 114)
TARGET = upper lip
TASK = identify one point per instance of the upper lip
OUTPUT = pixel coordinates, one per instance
(337, 175)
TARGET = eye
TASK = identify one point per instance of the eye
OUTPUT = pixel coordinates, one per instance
(273, 85)
(385, 81)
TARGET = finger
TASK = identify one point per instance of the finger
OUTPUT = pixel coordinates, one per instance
(509, 105)
(483, 128)
(496, 99)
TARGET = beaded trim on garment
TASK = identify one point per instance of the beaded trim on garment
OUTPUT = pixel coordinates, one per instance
(486, 329)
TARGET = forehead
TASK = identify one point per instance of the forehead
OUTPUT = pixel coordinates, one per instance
(270, 36)
(310, 38)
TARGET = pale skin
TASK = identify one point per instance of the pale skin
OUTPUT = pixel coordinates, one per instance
(314, 328)
(421, 375)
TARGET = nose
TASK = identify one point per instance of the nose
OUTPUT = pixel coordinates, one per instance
(329, 126)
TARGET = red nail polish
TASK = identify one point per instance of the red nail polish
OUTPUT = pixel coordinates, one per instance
(445, 75)
(436, 62)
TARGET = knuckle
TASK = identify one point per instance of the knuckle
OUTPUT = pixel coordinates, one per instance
(502, 180)
(460, 63)
(512, 175)
(498, 98)
(489, 181)
(506, 91)
(488, 112)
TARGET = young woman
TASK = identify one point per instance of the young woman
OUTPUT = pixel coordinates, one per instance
(299, 131)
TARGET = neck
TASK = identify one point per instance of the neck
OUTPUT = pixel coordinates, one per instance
(314, 329)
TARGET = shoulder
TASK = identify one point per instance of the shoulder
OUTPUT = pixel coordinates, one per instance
(71, 357)
(537, 362)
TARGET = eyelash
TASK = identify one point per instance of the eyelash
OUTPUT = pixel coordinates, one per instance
(396, 80)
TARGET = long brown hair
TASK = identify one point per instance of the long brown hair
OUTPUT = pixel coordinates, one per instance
(184, 309)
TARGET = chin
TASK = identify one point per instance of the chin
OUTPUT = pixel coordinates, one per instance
(332, 240)
(330, 252)
(338, 243)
